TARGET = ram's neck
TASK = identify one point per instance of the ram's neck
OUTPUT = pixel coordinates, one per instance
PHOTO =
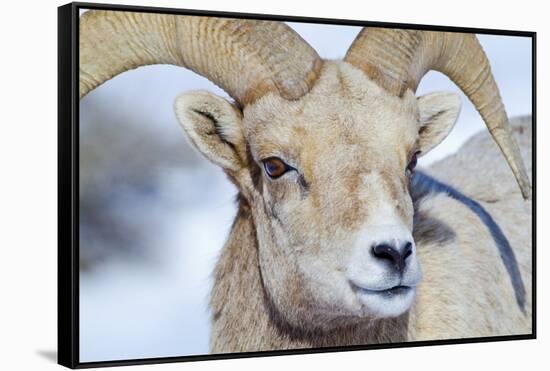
(244, 320)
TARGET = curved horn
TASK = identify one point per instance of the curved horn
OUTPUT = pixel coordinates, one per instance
(246, 58)
(398, 59)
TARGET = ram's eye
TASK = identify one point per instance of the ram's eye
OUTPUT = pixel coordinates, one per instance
(275, 167)
(412, 163)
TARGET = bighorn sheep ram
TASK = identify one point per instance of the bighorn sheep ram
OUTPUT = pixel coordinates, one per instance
(333, 224)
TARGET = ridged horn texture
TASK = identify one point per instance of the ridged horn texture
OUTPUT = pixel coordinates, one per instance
(246, 58)
(398, 59)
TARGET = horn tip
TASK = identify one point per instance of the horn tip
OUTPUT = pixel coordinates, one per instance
(526, 191)
(524, 185)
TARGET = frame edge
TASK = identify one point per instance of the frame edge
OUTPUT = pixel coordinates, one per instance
(68, 338)
(67, 318)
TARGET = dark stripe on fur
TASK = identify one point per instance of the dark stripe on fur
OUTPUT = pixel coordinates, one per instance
(423, 185)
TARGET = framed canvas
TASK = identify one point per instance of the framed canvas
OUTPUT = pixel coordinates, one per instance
(242, 185)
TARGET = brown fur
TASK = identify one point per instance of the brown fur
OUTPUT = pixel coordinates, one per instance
(282, 280)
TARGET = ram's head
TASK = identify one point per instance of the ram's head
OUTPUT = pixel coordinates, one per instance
(321, 151)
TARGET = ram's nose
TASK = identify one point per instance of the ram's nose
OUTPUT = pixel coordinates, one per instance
(395, 253)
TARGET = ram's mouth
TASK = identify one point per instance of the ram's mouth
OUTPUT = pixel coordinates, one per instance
(396, 291)
(392, 291)
(385, 302)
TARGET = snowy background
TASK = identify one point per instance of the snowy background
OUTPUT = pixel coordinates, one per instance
(154, 214)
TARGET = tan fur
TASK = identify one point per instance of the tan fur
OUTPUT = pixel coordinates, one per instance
(480, 173)
(281, 283)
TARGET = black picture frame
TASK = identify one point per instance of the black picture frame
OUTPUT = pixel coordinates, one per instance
(68, 183)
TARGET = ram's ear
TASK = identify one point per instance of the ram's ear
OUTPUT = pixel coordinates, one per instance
(214, 126)
(438, 114)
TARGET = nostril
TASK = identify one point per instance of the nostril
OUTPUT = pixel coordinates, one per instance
(407, 251)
